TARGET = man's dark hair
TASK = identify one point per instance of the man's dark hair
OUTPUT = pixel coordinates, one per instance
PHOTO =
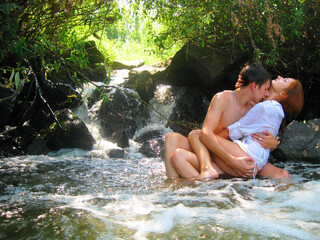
(255, 72)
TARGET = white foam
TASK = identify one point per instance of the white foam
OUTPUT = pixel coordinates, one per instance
(70, 152)
(254, 207)
(162, 222)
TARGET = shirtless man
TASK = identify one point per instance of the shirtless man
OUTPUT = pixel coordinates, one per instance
(225, 108)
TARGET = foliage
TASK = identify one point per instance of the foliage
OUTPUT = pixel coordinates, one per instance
(39, 36)
(134, 36)
(48, 33)
(271, 30)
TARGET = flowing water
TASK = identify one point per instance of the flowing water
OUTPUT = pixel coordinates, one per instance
(74, 194)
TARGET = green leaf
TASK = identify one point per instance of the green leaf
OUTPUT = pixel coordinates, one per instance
(12, 75)
(17, 79)
(56, 65)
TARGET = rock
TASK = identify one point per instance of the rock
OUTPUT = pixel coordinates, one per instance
(21, 140)
(208, 69)
(148, 135)
(60, 96)
(93, 54)
(150, 68)
(41, 119)
(116, 153)
(6, 107)
(94, 97)
(95, 70)
(152, 144)
(190, 109)
(73, 134)
(145, 79)
(301, 142)
(96, 73)
(153, 148)
(22, 112)
(55, 96)
(141, 83)
(117, 64)
(121, 116)
(38, 147)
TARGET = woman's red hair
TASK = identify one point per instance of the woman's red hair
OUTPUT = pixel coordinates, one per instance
(294, 102)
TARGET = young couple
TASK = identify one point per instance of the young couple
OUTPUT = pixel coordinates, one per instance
(238, 131)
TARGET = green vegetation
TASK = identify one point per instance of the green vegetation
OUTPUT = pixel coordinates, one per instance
(278, 33)
(134, 37)
(40, 36)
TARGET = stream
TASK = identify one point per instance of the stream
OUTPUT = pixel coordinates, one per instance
(76, 194)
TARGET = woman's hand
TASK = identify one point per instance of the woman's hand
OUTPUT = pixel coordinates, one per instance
(239, 83)
(266, 140)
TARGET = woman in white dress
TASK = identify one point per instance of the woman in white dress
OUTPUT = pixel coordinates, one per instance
(285, 96)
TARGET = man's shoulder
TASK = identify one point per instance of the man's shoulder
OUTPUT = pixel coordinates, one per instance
(224, 94)
(222, 99)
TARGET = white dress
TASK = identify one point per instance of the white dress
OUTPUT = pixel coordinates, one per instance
(266, 115)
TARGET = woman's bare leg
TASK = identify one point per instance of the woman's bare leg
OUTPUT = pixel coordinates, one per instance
(271, 171)
(173, 141)
(203, 155)
(187, 165)
(234, 150)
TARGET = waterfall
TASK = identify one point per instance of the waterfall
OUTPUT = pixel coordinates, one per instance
(163, 102)
(161, 107)
(89, 117)
(87, 195)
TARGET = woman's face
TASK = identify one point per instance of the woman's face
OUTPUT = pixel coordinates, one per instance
(280, 84)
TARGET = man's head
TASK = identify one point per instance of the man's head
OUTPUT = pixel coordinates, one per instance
(259, 80)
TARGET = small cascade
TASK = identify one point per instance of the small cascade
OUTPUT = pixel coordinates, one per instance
(76, 194)
(161, 108)
(88, 116)
(163, 102)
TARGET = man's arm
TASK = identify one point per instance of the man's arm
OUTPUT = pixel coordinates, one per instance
(214, 112)
(217, 106)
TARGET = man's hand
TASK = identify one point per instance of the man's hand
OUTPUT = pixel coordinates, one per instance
(265, 139)
(243, 166)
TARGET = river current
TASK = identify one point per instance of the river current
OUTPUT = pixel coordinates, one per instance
(75, 194)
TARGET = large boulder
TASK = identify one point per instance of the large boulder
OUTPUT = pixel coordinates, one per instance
(205, 68)
(94, 71)
(71, 132)
(60, 96)
(21, 140)
(145, 79)
(121, 116)
(190, 109)
(35, 103)
(301, 142)
(142, 83)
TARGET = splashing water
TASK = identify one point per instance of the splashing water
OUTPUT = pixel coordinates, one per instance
(75, 194)
(68, 197)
